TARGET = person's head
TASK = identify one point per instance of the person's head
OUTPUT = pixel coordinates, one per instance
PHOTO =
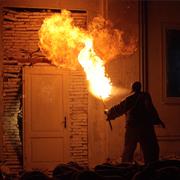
(136, 86)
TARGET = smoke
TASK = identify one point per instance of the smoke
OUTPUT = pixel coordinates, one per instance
(117, 95)
(120, 91)
(61, 41)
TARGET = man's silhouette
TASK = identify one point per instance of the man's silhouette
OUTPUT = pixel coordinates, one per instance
(141, 116)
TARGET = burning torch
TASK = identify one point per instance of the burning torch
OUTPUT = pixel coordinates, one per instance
(106, 111)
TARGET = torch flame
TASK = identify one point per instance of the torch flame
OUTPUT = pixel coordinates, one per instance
(62, 43)
(99, 83)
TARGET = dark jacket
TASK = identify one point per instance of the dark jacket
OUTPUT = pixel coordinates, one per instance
(139, 110)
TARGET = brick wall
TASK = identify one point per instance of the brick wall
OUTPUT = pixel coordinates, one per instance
(78, 110)
(20, 47)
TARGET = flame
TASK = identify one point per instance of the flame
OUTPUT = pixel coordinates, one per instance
(100, 84)
(60, 41)
(67, 45)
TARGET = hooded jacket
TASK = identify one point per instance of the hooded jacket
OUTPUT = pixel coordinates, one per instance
(138, 108)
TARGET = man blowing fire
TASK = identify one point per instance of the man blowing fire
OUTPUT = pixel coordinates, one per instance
(141, 116)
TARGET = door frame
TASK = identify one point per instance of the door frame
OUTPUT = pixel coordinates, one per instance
(66, 77)
(143, 44)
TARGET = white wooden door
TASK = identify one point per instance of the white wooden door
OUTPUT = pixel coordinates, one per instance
(45, 117)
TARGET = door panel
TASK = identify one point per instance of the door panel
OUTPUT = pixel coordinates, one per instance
(45, 102)
(46, 92)
(39, 149)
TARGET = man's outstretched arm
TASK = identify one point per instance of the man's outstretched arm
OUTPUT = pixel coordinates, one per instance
(116, 111)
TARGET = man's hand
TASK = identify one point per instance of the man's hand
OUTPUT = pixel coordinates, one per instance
(108, 118)
(162, 125)
(106, 113)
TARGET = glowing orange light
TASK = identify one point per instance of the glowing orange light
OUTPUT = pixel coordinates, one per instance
(67, 45)
(93, 65)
